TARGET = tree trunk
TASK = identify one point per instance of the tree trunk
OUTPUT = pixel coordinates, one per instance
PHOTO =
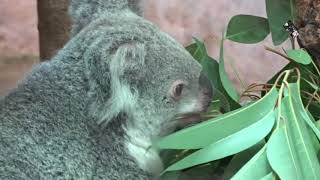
(54, 26)
(308, 23)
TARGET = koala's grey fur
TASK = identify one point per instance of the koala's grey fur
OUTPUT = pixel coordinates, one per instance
(93, 111)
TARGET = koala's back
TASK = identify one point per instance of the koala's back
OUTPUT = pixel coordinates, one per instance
(40, 138)
(45, 132)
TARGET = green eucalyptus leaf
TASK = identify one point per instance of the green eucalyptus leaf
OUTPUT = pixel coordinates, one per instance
(312, 85)
(205, 171)
(313, 108)
(279, 12)
(227, 84)
(258, 167)
(240, 159)
(315, 143)
(229, 145)
(247, 29)
(290, 150)
(211, 70)
(301, 111)
(314, 138)
(300, 56)
(304, 114)
(270, 176)
(301, 134)
(172, 175)
(318, 124)
(307, 71)
(281, 155)
(224, 102)
(282, 158)
(197, 50)
(214, 130)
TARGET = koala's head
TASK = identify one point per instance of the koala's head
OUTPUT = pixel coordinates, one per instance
(147, 76)
(164, 90)
(138, 75)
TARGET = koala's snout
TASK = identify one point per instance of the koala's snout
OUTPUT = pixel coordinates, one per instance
(206, 91)
(205, 85)
(191, 112)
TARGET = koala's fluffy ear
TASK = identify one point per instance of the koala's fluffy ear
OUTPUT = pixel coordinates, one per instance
(127, 61)
(129, 58)
(83, 12)
(137, 6)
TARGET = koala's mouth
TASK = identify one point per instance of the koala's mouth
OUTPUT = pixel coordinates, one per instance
(192, 118)
(189, 119)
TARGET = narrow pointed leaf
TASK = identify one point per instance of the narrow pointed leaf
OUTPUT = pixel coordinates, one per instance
(247, 29)
(301, 134)
(211, 131)
(318, 124)
(304, 163)
(300, 56)
(227, 84)
(240, 159)
(258, 167)
(229, 145)
(270, 176)
(281, 155)
(312, 85)
(301, 111)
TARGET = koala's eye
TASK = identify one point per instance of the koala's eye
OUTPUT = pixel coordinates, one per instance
(178, 90)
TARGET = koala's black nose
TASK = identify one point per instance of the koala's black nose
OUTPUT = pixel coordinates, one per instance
(205, 85)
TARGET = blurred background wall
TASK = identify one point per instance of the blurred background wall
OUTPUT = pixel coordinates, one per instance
(183, 19)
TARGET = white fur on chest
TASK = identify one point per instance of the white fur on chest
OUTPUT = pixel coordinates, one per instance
(148, 159)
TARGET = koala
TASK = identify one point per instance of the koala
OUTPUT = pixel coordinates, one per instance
(94, 110)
